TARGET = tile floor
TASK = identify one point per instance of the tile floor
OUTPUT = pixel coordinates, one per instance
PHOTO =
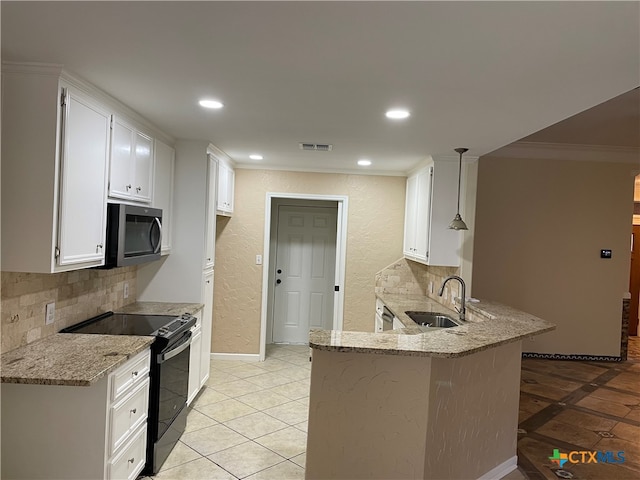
(250, 422)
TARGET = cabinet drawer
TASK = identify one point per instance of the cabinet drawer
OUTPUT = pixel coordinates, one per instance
(130, 462)
(127, 415)
(134, 371)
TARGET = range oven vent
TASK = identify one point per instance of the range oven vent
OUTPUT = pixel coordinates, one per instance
(318, 147)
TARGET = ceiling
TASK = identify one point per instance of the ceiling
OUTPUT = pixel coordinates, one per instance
(474, 74)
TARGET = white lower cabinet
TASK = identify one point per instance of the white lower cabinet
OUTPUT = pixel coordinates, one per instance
(70, 432)
(194, 358)
(207, 321)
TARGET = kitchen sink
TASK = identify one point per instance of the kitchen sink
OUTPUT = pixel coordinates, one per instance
(432, 319)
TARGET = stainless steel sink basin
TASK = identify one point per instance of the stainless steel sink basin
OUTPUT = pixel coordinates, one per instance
(432, 319)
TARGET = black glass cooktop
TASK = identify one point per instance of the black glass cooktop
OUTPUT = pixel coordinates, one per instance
(122, 324)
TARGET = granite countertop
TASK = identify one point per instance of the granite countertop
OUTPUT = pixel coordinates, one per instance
(71, 359)
(489, 325)
(160, 308)
(81, 360)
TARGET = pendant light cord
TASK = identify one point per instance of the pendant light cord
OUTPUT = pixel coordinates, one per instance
(459, 176)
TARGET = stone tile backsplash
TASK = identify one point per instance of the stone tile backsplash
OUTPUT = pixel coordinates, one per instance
(405, 277)
(78, 295)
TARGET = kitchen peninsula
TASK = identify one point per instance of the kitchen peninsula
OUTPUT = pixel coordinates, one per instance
(441, 404)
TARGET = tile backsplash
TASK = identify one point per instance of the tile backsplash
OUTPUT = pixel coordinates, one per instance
(411, 278)
(78, 295)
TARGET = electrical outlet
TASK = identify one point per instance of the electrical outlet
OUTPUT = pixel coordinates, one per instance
(50, 313)
(126, 290)
(258, 259)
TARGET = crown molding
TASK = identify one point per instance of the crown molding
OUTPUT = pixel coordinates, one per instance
(567, 151)
(334, 171)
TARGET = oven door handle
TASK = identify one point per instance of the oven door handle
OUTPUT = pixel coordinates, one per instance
(177, 350)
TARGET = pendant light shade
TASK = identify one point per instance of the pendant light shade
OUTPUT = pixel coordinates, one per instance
(457, 223)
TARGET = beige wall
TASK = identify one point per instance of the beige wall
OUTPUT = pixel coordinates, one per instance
(374, 240)
(540, 225)
(78, 295)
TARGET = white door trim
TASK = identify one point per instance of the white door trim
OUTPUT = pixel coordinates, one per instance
(341, 243)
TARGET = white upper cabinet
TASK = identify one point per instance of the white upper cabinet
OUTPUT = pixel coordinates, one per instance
(226, 185)
(210, 220)
(55, 151)
(163, 190)
(430, 206)
(131, 163)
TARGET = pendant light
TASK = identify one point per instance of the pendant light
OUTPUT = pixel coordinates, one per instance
(457, 223)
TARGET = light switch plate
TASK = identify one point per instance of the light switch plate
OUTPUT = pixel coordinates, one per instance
(50, 313)
(126, 290)
(258, 259)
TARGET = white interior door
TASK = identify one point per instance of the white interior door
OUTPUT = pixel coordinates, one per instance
(304, 272)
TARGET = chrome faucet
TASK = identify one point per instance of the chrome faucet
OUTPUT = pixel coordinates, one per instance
(462, 309)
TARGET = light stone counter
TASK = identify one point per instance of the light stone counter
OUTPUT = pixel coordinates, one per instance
(489, 325)
(70, 359)
(161, 308)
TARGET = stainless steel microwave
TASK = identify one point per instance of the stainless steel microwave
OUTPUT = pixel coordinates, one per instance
(134, 235)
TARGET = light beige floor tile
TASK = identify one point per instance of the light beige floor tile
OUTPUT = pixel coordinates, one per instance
(304, 426)
(290, 413)
(302, 360)
(197, 420)
(207, 396)
(300, 460)
(294, 373)
(180, 454)
(244, 371)
(226, 365)
(247, 459)
(218, 376)
(201, 469)
(226, 410)
(269, 380)
(515, 475)
(294, 390)
(273, 365)
(288, 442)
(212, 439)
(236, 388)
(263, 399)
(281, 471)
(256, 425)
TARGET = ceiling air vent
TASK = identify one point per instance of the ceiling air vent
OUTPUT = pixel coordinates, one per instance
(318, 147)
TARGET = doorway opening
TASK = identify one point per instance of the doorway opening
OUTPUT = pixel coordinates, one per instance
(303, 266)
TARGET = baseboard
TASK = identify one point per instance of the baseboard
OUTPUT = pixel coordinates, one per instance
(561, 356)
(246, 357)
(502, 470)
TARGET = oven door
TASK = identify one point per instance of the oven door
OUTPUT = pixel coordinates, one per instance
(173, 367)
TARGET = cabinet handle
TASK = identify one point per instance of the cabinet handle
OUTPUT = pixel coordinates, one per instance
(208, 281)
(135, 374)
(134, 411)
(131, 460)
(128, 187)
(138, 189)
(98, 247)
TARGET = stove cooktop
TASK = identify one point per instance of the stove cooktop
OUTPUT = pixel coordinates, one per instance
(133, 324)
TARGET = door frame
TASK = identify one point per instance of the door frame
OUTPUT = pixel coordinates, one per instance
(341, 250)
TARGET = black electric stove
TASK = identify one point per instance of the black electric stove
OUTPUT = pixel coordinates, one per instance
(169, 376)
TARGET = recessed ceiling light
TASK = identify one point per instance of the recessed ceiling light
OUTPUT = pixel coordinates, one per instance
(255, 157)
(211, 104)
(397, 114)
(364, 162)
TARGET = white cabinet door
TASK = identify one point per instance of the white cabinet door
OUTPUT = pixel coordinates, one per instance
(163, 190)
(210, 230)
(142, 167)
(410, 216)
(83, 182)
(194, 364)
(131, 171)
(207, 320)
(423, 215)
(120, 175)
(226, 186)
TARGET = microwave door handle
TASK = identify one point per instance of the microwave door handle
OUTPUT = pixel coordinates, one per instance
(156, 249)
